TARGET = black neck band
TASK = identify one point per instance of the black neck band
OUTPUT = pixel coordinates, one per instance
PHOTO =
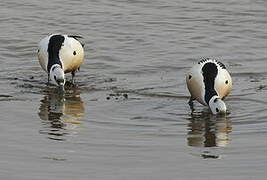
(209, 71)
(54, 45)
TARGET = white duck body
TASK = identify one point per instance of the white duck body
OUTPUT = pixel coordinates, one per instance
(60, 49)
(208, 78)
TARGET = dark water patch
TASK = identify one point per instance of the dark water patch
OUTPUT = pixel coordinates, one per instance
(10, 98)
(117, 96)
(153, 118)
(37, 84)
(55, 158)
(13, 97)
(5, 96)
(209, 156)
(145, 92)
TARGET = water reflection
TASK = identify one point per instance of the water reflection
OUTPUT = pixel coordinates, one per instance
(206, 130)
(60, 113)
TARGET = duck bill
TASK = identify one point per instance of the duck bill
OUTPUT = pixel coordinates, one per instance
(221, 112)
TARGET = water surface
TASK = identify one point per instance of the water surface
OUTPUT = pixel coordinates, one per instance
(128, 117)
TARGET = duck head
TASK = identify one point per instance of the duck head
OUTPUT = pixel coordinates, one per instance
(217, 106)
(57, 76)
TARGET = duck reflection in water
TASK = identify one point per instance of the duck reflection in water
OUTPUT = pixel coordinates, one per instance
(60, 113)
(205, 130)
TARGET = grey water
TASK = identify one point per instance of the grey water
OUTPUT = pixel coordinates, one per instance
(128, 117)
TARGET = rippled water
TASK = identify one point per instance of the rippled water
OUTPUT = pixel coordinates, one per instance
(128, 116)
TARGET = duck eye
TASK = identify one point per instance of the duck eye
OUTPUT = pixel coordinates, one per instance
(217, 110)
(226, 82)
(215, 100)
(74, 53)
(189, 77)
(55, 78)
